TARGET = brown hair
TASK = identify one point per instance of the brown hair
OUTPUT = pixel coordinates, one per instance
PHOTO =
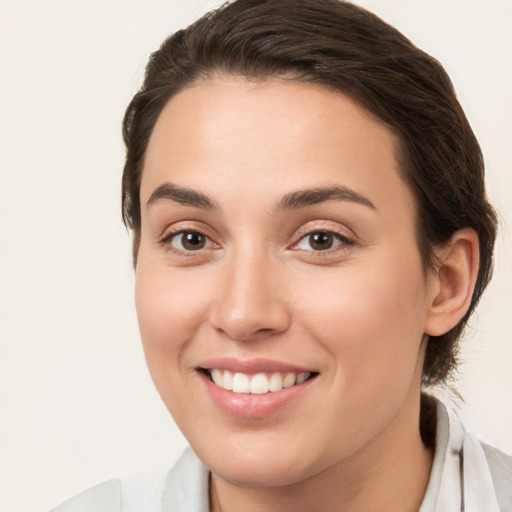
(346, 49)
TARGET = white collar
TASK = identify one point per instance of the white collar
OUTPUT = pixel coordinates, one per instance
(460, 479)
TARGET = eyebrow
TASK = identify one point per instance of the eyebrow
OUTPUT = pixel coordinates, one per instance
(310, 197)
(291, 201)
(182, 195)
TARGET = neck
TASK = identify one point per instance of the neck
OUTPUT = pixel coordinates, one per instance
(389, 474)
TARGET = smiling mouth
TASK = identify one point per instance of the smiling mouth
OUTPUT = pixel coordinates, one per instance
(258, 383)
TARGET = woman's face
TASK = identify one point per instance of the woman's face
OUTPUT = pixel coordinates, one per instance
(278, 244)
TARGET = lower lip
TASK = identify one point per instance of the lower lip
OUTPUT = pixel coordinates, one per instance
(245, 405)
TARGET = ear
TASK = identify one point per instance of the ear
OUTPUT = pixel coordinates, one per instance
(452, 281)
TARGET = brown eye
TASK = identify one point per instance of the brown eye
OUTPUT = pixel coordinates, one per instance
(322, 241)
(189, 241)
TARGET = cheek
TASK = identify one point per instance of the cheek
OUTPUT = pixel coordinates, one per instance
(170, 308)
(369, 317)
(170, 311)
(370, 323)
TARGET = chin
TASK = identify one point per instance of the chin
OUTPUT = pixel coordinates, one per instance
(262, 474)
(270, 466)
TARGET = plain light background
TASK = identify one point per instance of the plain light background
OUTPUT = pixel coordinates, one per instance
(77, 404)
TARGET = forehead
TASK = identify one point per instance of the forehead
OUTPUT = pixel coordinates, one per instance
(231, 134)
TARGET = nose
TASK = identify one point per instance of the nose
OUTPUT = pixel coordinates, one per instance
(250, 303)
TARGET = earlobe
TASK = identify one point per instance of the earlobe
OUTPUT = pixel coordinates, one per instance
(454, 281)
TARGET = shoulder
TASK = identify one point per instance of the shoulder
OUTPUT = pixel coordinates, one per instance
(140, 491)
(466, 471)
(183, 487)
(104, 497)
(500, 467)
(186, 485)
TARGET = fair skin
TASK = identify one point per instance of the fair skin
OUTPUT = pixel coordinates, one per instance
(244, 265)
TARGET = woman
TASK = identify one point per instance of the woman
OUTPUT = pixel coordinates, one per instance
(311, 235)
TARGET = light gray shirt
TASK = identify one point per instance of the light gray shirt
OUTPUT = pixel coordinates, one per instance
(467, 475)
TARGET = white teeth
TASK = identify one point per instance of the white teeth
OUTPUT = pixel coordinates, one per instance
(257, 384)
(217, 377)
(241, 383)
(227, 380)
(289, 380)
(301, 377)
(276, 382)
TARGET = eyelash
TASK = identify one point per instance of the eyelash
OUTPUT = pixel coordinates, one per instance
(168, 237)
(344, 242)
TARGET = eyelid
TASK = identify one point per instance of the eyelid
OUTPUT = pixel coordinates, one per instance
(324, 226)
(185, 227)
(344, 234)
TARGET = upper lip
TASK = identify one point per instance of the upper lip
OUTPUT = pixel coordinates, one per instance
(251, 365)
